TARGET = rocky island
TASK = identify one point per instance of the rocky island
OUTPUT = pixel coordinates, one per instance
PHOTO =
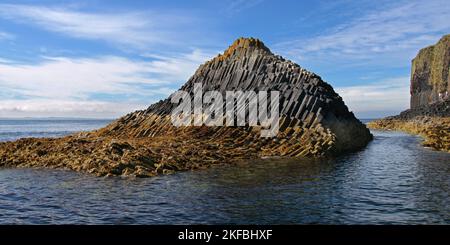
(313, 122)
(429, 115)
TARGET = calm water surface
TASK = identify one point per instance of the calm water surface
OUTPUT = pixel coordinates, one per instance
(393, 181)
(12, 129)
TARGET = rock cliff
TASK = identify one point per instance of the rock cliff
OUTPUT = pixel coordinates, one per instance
(314, 122)
(430, 74)
(429, 115)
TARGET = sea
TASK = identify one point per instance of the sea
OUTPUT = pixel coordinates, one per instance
(394, 180)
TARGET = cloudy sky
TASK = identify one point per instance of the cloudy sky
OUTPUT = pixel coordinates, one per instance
(106, 58)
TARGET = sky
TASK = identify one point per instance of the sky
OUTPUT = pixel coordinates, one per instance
(104, 59)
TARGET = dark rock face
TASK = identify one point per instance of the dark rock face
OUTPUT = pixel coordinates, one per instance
(306, 102)
(430, 74)
(314, 122)
(438, 109)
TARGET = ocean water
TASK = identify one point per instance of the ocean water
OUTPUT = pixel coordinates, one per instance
(392, 181)
(12, 129)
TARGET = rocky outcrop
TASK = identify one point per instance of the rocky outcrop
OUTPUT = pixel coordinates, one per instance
(437, 109)
(308, 105)
(434, 130)
(314, 122)
(430, 74)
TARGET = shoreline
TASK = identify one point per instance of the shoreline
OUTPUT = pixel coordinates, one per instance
(435, 131)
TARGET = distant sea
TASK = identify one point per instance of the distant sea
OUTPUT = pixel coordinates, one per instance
(12, 129)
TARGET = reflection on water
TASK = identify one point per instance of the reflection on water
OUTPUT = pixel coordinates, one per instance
(393, 181)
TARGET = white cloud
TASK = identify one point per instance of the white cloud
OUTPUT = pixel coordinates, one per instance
(66, 108)
(389, 96)
(64, 77)
(396, 32)
(178, 67)
(6, 36)
(139, 29)
(73, 84)
(5, 61)
(237, 6)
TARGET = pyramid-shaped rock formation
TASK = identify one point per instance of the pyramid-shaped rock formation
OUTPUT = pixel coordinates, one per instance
(308, 105)
(314, 121)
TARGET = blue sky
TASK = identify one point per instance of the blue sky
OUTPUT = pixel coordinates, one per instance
(107, 58)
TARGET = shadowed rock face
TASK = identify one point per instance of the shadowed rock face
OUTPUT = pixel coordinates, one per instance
(430, 74)
(307, 104)
(314, 121)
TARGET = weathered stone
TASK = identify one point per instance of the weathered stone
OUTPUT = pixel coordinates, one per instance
(314, 122)
(430, 74)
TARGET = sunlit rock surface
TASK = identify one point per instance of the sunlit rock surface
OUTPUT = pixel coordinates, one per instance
(314, 122)
(429, 115)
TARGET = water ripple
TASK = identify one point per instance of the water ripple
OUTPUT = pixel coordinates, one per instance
(393, 181)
